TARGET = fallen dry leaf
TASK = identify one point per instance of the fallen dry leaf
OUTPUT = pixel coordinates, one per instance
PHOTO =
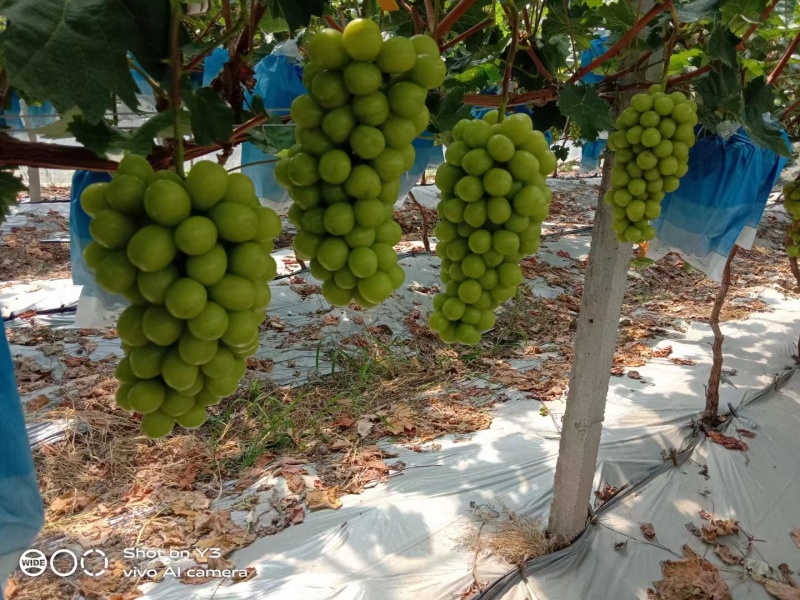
(298, 515)
(795, 535)
(692, 528)
(705, 516)
(690, 577)
(295, 482)
(93, 538)
(604, 495)
(781, 590)
(189, 477)
(363, 427)
(746, 433)
(619, 546)
(250, 572)
(717, 528)
(634, 375)
(684, 362)
(726, 441)
(36, 403)
(71, 503)
(662, 352)
(648, 530)
(323, 499)
(728, 555)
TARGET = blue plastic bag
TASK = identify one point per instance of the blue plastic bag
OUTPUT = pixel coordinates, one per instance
(278, 82)
(719, 202)
(596, 48)
(213, 65)
(79, 236)
(427, 154)
(590, 155)
(21, 512)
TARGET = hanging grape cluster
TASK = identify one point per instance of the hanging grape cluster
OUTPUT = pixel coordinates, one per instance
(355, 128)
(193, 258)
(494, 199)
(791, 202)
(651, 151)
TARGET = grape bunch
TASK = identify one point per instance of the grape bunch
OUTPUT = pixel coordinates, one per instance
(651, 150)
(791, 202)
(494, 199)
(355, 128)
(193, 258)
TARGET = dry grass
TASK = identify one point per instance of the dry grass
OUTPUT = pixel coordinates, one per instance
(509, 535)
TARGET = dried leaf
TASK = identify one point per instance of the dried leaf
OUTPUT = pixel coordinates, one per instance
(705, 516)
(619, 546)
(330, 319)
(189, 477)
(36, 403)
(726, 441)
(692, 528)
(727, 554)
(323, 499)
(93, 538)
(746, 433)
(295, 482)
(795, 535)
(648, 530)
(662, 352)
(690, 577)
(684, 362)
(634, 375)
(297, 515)
(250, 572)
(608, 492)
(71, 503)
(363, 427)
(781, 590)
(718, 527)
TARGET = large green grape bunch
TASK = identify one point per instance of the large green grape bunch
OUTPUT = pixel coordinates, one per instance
(193, 258)
(355, 128)
(791, 202)
(494, 199)
(651, 151)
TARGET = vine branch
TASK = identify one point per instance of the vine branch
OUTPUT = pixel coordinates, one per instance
(469, 32)
(454, 15)
(177, 63)
(784, 60)
(754, 27)
(623, 42)
(513, 16)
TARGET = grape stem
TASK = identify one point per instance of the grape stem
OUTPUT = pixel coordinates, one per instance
(513, 16)
(784, 60)
(177, 63)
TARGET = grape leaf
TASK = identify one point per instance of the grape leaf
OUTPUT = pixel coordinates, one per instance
(680, 60)
(722, 45)
(721, 92)
(759, 98)
(273, 139)
(103, 139)
(10, 186)
(73, 54)
(151, 45)
(211, 117)
(696, 10)
(297, 13)
(619, 15)
(448, 110)
(585, 108)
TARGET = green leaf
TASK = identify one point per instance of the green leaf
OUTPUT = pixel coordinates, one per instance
(689, 12)
(10, 187)
(619, 15)
(298, 13)
(103, 139)
(585, 108)
(150, 44)
(722, 45)
(680, 60)
(759, 99)
(211, 117)
(73, 53)
(449, 109)
(720, 91)
(274, 137)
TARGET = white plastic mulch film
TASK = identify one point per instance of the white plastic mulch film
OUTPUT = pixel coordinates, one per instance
(406, 539)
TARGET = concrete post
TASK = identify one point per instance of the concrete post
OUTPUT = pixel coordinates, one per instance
(598, 326)
(34, 178)
(595, 341)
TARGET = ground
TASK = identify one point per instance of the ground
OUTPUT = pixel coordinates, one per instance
(325, 393)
